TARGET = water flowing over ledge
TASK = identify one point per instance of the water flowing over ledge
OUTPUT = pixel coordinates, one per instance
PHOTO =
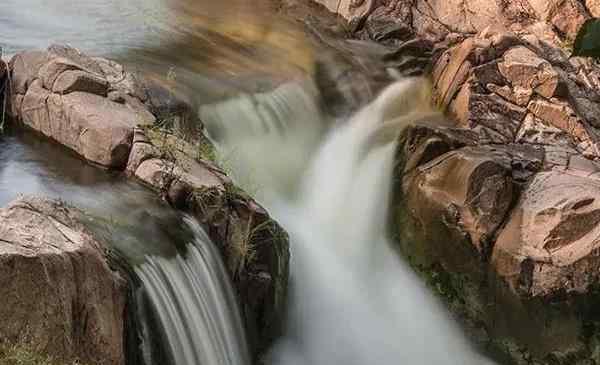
(196, 307)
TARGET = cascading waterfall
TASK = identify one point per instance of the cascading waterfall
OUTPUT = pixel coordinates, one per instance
(195, 304)
(353, 300)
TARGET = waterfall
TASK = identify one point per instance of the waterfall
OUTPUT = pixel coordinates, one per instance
(195, 305)
(353, 300)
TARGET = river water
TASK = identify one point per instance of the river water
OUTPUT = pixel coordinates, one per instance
(352, 302)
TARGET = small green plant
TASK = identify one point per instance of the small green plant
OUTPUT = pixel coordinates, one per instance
(206, 150)
(587, 42)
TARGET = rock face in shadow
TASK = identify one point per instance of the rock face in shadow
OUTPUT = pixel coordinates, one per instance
(60, 297)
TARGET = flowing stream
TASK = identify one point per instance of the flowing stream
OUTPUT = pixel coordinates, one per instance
(353, 300)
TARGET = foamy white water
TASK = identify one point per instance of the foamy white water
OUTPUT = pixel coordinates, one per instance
(195, 304)
(353, 300)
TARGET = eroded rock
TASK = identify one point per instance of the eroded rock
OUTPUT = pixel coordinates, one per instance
(254, 247)
(527, 234)
(555, 21)
(60, 297)
(90, 105)
(549, 244)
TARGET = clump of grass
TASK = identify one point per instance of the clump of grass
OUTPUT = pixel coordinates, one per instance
(18, 355)
(206, 150)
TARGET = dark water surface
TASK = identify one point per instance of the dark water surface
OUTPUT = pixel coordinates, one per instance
(33, 165)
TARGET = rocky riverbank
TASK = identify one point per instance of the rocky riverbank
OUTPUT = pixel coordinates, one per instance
(119, 121)
(498, 208)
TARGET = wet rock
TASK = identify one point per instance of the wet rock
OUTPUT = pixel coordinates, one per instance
(499, 209)
(254, 247)
(470, 189)
(60, 297)
(353, 10)
(534, 163)
(549, 244)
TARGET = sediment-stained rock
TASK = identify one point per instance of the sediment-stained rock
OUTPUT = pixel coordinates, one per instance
(60, 297)
(508, 218)
(500, 206)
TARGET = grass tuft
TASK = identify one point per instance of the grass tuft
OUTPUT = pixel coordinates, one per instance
(17, 355)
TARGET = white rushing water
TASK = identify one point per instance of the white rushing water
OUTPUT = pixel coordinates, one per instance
(195, 304)
(352, 299)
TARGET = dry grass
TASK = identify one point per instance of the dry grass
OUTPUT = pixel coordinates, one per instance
(16, 355)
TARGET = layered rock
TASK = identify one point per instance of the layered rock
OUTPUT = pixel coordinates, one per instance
(255, 248)
(60, 297)
(498, 210)
(555, 21)
(89, 105)
(109, 116)
(501, 206)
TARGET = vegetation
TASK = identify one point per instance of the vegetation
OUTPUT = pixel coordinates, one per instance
(17, 355)
(587, 42)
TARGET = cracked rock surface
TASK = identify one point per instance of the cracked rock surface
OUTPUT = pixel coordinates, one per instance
(60, 297)
(499, 209)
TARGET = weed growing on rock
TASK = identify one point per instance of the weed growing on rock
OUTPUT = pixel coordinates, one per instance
(17, 355)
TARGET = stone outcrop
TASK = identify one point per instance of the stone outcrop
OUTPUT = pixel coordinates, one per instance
(555, 21)
(90, 105)
(60, 297)
(500, 208)
(109, 116)
(254, 247)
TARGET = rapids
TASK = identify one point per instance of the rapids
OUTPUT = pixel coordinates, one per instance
(352, 299)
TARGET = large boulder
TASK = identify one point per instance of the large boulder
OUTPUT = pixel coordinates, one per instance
(499, 210)
(90, 105)
(60, 297)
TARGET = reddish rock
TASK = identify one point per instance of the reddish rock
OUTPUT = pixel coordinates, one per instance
(61, 94)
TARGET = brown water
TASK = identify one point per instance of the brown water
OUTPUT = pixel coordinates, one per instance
(212, 48)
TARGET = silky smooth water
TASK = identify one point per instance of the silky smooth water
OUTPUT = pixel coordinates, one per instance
(353, 300)
(195, 304)
(180, 269)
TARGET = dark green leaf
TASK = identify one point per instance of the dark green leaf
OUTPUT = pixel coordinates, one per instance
(587, 43)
